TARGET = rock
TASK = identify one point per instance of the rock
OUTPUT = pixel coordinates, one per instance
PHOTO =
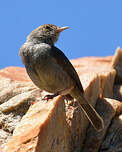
(103, 70)
(113, 140)
(117, 92)
(15, 73)
(40, 122)
(59, 125)
(117, 64)
(107, 108)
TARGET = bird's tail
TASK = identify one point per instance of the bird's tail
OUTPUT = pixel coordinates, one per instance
(89, 111)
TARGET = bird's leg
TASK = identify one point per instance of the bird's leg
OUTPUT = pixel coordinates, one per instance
(47, 97)
(62, 93)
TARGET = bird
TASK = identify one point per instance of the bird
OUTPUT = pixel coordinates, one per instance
(50, 70)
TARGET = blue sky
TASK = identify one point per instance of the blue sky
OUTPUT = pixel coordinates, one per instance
(95, 26)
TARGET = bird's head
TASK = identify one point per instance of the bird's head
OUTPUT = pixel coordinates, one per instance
(46, 33)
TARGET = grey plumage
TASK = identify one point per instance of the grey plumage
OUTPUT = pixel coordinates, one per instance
(50, 69)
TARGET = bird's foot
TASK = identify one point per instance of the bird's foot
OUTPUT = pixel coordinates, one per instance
(48, 97)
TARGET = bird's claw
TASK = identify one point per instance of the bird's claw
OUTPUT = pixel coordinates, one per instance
(48, 97)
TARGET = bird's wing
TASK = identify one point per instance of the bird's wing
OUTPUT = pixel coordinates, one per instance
(63, 61)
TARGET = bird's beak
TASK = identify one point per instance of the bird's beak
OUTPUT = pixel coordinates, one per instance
(62, 28)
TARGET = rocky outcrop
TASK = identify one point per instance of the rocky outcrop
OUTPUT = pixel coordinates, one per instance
(59, 125)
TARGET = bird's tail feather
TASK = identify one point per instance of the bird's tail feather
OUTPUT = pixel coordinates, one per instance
(92, 115)
(90, 112)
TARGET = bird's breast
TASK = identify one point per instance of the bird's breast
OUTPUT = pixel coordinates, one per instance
(44, 71)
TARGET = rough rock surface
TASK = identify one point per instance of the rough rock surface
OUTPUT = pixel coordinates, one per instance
(59, 125)
(117, 64)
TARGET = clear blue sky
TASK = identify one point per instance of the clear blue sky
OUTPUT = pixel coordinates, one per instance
(95, 26)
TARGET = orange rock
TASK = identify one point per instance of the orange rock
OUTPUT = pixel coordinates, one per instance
(56, 126)
(15, 73)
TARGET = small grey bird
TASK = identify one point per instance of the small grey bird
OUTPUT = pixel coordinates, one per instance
(50, 69)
